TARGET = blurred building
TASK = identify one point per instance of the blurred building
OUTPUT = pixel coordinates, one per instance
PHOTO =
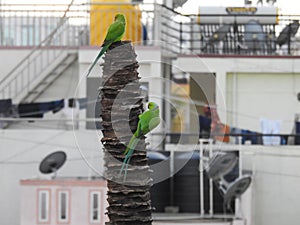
(244, 61)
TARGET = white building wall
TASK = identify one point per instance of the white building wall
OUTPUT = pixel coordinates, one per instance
(276, 186)
(222, 66)
(275, 193)
(10, 57)
(255, 96)
(22, 151)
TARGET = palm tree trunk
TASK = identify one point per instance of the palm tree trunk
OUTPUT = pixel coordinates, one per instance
(129, 202)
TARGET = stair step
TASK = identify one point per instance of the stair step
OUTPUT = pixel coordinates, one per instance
(51, 77)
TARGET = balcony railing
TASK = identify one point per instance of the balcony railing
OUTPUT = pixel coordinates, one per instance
(42, 59)
(263, 34)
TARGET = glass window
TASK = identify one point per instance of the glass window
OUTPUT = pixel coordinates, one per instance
(27, 35)
(63, 206)
(95, 206)
(43, 206)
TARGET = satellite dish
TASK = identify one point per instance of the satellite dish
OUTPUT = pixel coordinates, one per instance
(52, 162)
(234, 189)
(178, 3)
(221, 164)
(289, 31)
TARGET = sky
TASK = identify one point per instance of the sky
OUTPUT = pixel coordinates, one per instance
(191, 6)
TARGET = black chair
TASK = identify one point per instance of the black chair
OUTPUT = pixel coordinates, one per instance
(217, 36)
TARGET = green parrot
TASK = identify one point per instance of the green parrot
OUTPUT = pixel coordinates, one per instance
(147, 122)
(115, 33)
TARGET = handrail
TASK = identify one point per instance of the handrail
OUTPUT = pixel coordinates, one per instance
(47, 39)
(176, 36)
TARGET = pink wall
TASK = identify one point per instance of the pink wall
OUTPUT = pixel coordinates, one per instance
(79, 200)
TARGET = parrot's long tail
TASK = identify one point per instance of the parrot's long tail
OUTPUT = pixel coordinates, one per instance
(103, 50)
(128, 157)
(128, 152)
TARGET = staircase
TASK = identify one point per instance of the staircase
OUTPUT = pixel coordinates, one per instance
(58, 70)
(42, 66)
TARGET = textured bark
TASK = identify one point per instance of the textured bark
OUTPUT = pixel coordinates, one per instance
(129, 202)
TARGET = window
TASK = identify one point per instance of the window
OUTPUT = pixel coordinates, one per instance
(27, 35)
(144, 88)
(8, 35)
(43, 206)
(95, 206)
(63, 206)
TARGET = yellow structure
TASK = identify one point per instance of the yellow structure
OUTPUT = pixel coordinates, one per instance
(179, 113)
(102, 15)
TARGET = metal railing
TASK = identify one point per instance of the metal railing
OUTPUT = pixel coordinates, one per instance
(27, 25)
(60, 28)
(242, 35)
(52, 30)
(250, 138)
(41, 59)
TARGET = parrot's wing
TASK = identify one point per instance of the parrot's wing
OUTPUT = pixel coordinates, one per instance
(149, 120)
(114, 33)
(154, 122)
(131, 145)
(144, 120)
(134, 139)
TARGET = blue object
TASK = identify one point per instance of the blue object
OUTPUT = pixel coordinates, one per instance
(152, 155)
(145, 33)
(297, 138)
(204, 124)
(5, 105)
(248, 135)
(37, 110)
(255, 38)
(189, 155)
(252, 136)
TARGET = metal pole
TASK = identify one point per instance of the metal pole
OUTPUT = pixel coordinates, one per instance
(201, 170)
(1, 25)
(289, 38)
(211, 200)
(238, 202)
(172, 177)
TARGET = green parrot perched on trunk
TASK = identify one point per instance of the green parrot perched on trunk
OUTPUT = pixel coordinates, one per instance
(147, 122)
(115, 33)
